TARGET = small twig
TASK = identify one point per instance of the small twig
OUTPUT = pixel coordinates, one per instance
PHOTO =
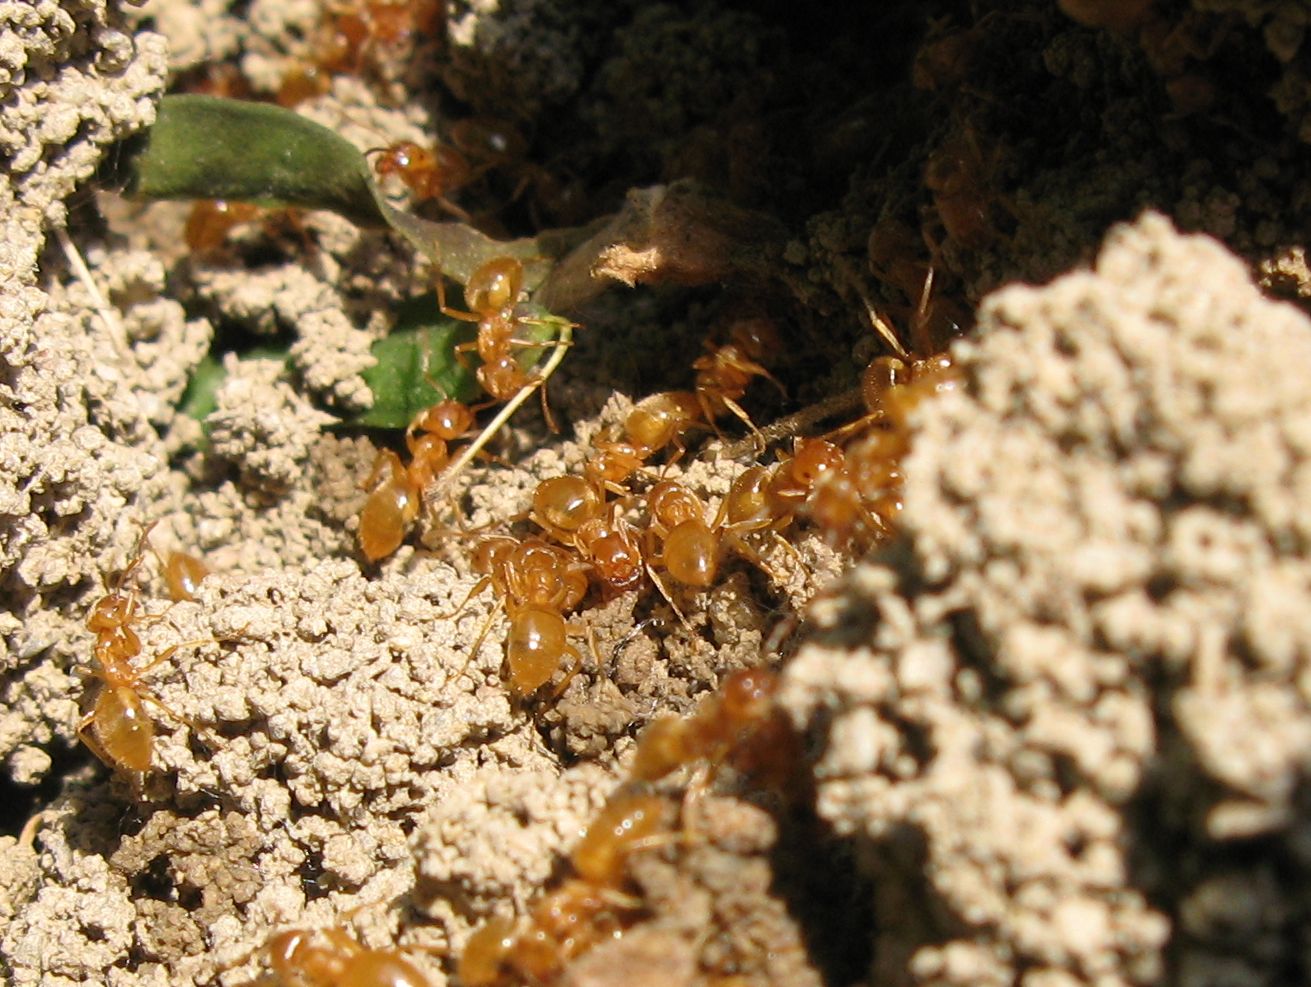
(448, 475)
(113, 325)
(793, 424)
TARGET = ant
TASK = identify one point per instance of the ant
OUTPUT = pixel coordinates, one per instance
(350, 37)
(793, 480)
(570, 510)
(563, 504)
(183, 574)
(396, 489)
(661, 420)
(738, 725)
(723, 373)
(861, 487)
(117, 730)
(537, 583)
(211, 220)
(610, 545)
(335, 958)
(586, 909)
(492, 292)
(429, 173)
(613, 461)
(690, 548)
(962, 180)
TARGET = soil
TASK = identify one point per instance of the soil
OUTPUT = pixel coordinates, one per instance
(1055, 727)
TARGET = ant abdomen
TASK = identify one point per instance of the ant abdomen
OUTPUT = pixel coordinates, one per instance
(691, 554)
(122, 728)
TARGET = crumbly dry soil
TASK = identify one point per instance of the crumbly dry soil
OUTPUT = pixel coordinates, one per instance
(1057, 728)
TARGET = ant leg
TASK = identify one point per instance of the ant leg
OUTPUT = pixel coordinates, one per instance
(697, 789)
(27, 837)
(478, 587)
(168, 653)
(138, 552)
(664, 591)
(211, 739)
(452, 313)
(88, 737)
(740, 413)
(840, 434)
(750, 553)
(575, 666)
(460, 349)
(919, 327)
(473, 652)
(457, 211)
(788, 547)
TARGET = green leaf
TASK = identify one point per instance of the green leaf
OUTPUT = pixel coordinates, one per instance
(202, 147)
(417, 366)
(200, 397)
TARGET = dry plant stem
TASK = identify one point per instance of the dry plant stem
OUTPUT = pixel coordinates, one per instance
(562, 344)
(794, 424)
(666, 234)
(113, 326)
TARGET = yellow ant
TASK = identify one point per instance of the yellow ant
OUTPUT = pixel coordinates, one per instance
(118, 729)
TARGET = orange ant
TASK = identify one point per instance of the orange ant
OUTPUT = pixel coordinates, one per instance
(428, 173)
(492, 292)
(611, 547)
(570, 510)
(349, 37)
(691, 550)
(537, 583)
(563, 504)
(396, 490)
(183, 574)
(793, 480)
(1121, 16)
(613, 462)
(211, 220)
(738, 724)
(690, 547)
(962, 180)
(335, 958)
(586, 909)
(661, 420)
(863, 489)
(723, 373)
(117, 730)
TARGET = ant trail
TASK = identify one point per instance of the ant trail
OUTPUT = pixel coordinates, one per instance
(448, 476)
